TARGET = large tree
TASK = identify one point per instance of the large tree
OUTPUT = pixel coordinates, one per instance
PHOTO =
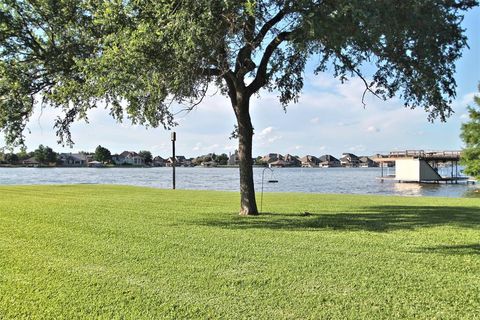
(147, 156)
(471, 136)
(45, 154)
(102, 154)
(136, 57)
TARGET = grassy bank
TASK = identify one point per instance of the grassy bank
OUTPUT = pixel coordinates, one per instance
(125, 252)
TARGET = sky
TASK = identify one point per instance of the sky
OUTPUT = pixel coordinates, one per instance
(328, 119)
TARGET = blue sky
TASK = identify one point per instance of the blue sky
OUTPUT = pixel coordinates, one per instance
(329, 118)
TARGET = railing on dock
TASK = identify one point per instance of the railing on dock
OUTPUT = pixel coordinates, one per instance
(426, 155)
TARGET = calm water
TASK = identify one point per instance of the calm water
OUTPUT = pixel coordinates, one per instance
(311, 180)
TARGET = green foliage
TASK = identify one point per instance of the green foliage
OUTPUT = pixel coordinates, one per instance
(39, 154)
(23, 154)
(10, 158)
(259, 162)
(147, 156)
(222, 159)
(139, 253)
(138, 56)
(45, 155)
(471, 136)
(102, 154)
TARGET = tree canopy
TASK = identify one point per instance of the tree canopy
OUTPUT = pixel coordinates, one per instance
(471, 136)
(147, 156)
(102, 154)
(137, 57)
(45, 154)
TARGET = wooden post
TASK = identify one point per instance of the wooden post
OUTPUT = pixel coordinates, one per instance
(174, 138)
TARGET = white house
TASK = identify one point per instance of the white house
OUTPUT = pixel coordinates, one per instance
(128, 157)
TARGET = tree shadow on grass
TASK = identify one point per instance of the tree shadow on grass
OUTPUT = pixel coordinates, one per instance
(376, 219)
(468, 249)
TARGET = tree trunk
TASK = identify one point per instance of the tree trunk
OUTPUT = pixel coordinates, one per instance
(248, 204)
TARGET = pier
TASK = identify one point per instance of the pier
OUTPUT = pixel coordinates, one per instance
(422, 166)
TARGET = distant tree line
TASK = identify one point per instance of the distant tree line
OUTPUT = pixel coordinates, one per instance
(43, 154)
(221, 159)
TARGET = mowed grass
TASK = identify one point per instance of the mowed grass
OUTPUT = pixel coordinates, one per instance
(138, 253)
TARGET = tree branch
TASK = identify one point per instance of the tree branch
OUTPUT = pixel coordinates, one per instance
(244, 63)
(367, 88)
(267, 27)
(231, 81)
(351, 67)
(261, 77)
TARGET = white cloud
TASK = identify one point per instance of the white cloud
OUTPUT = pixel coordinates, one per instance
(266, 131)
(373, 129)
(315, 120)
(197, 147)
(267, 136)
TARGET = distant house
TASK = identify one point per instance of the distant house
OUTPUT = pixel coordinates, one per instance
(366, 162)
(349, 160)
(271, 157)
(208, 164)
(309, 161)
(292, 161)
(158, 162)
(74, 159)
(128, 157)
(200, 160)
(95, 164)
(233, 159)
(278, 164)
(31, 162)
(180, 161)
(328, 161)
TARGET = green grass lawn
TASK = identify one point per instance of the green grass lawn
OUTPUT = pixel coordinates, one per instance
(128, 252)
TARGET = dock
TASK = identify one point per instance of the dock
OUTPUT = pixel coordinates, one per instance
(422, 166)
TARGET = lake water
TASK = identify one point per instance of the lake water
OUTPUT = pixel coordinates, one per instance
(310, 180)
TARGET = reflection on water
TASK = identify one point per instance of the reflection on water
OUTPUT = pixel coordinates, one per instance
(430, 189)
(472, 193)
(310, 180)
(408, 189)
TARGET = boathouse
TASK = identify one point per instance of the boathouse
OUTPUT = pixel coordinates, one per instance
(420, 166)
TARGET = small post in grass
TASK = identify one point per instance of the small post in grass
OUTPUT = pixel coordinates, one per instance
(173, 138)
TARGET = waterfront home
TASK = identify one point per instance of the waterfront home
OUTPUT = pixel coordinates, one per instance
(349, 160)
(278, 164)
(271, 157)
(309, 161)
(31, 162)
(292, 161)
(158, 162)
(366, 162)
(95, 164)
(208, 164)
(74, 159)
(128, 157)
(233, 159)
(180, 161)
(328, 161)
